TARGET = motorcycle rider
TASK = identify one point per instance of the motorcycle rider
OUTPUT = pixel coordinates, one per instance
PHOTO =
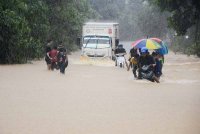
(146, 59)
(120, 50)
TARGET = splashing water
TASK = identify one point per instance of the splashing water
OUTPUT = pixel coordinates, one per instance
(84, 60)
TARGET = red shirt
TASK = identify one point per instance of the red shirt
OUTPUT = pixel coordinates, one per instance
(53, 54)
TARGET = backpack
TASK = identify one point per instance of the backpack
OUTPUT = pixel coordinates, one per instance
(61, 57)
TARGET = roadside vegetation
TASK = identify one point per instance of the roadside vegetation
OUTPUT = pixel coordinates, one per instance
(175, 21)
(26, 25)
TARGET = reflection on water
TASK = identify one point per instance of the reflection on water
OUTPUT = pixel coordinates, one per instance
(97, 61)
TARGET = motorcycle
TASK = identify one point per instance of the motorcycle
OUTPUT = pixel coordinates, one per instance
(147, 73)
(120, 60)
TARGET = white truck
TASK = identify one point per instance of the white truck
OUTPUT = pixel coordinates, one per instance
(99, 39)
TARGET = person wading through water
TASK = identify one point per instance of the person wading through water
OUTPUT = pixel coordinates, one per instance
(53, 56)
(133, 61)
(62, 59)
(47, 50)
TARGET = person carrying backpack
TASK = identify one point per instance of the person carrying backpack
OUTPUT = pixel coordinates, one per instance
(62, 59)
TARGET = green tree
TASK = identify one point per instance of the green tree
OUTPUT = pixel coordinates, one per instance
(14, 32)
(25, 25)
(66, 19)
(37, 17)
(185, 14)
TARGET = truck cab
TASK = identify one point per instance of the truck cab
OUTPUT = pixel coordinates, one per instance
(97, 46)
(99, 39)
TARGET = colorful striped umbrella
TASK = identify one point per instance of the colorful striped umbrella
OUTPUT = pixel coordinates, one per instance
(148, 43)
(164, 49)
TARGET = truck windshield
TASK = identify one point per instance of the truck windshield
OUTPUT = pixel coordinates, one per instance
(96, 42)
(90, 43)
(103, 43)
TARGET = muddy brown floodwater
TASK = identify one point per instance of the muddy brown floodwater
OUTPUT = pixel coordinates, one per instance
(95, 97)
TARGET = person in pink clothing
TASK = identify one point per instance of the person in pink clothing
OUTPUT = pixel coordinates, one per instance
(53, 57)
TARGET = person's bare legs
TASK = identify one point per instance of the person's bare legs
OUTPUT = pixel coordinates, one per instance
(134, 70)
(156, 79)
(49, 66)
(129, 65)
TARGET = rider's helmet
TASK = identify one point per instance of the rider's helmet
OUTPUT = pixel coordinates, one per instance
(144, 50)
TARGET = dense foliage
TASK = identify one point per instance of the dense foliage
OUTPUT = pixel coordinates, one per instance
(185, 20)
(26, 25)
(176, 21)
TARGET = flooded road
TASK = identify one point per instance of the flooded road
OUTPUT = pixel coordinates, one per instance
(95, 97)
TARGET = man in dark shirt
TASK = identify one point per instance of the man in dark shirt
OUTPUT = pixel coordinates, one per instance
(62, 59)
(158, 67)
(120, 50)
(146, 59)
(133, 52)
(133, 60)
